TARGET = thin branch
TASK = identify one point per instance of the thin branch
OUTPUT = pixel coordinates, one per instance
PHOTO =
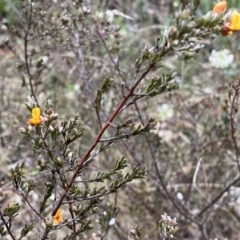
(218, 197)
(115, 64)
(86, 155)
(194, 181)
(180, 208)
(114, 138)
(26, 53)
(232, 115)
(6, 225)
(29, 204)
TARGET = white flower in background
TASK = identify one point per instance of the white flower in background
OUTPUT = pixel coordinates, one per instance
(109, 15)
(221, 59)
(112, 221)
(165, 111)
(180, 196)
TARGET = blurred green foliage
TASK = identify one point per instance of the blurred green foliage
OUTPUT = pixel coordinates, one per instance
(6, 10)
(172, 147)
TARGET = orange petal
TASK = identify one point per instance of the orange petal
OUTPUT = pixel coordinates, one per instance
(58, 217)
(220, 7)
(34, 121)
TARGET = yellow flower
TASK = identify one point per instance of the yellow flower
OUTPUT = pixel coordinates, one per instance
(233, 25)
(36, 117)
(220, 7)
(57, 217)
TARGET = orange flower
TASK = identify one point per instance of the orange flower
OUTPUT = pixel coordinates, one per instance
(36, 117)
(220, 7)
(57, 217)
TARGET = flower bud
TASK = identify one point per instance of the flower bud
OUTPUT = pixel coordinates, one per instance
(22, 130)
(220, 7)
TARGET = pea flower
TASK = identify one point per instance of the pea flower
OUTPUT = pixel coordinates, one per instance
(221, 59)
(36, 117)
(57, 217)
(220, 7)
(234, 23)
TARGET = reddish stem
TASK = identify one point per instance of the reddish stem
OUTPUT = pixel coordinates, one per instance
(96, 141)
